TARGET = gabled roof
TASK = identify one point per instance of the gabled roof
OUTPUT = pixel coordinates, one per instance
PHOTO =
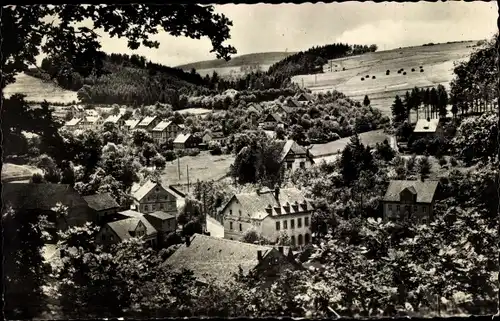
(132, 123)
(273, 117)
(217, 259)
(291, 146)
(161, 215)
(162, 126)
(43, 196)
(182, 138)
(113, 118)
(92, 119)
(73, 122)
(424, 126)
(259, 205)
(146, 121)
(91, 112)
(150, 230)
(101, 202)
(425, 190)
(145, 189)
(215, 135)
(285, 108)
(255, 107)
(292, 101)
(304, 96)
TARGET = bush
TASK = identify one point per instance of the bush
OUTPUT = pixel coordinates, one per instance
(362, 78)
(343, 68)
(453, 161)
(404, 73)
(367, 76)
(373, 77)
(215, 149)
(421, 70)
(442, 161)
(37, 178)
(424, 166)
(169, 155)
(412, 69)
(399, 71)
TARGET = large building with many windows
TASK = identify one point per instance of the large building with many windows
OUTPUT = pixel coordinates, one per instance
(271, 213)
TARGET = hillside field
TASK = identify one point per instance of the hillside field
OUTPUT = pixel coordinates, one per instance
(437, 62)
(38, 90)
(233, 66)
(12, 172)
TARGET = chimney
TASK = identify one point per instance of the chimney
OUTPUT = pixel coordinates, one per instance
(277, 192)
(188, 241)
(259, 255)
(280, 248)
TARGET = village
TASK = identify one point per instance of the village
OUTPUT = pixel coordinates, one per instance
(344, 180)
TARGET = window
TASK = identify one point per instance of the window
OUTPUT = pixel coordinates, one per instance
(285, 224)
(424, 221)
(230, 225)
(230, 212)
(302, 164)
(241, 229)
(299, 225)
(277, 226)
(146, 208)
(239, 212)
(307, 239)
(292, 223)
(398, 208)
(415, 208)
(161, 206)
(289, 165)
(424, 209)
(103, 237)
(390, 207)
(300, 239)
(306, 222)
(111, 237)
(153, 207)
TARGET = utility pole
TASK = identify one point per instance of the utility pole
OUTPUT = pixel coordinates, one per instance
(302, 83)
(179, 166)
(187, 170)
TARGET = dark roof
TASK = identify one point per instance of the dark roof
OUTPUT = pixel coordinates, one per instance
(294, 102)
(218, 134)
(39, 196)
(258, 204)
(304, 96)
(212, 258)
(101, 202)
(291, 146)
(286, 108)
(146, 188)
(425, 190)
(150, 230)
(274, 117)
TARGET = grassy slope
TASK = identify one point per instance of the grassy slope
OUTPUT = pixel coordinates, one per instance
(223, 68)
(38, 90)
(11, 172)
(437, 62)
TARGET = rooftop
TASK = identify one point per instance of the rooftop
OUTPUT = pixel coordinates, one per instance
(73, 122)
(425, 190)
(101, 202)
(113, 118)
(425, 126)
(146, 121)
(162, 125)
(182, 138)
(291, 146)
(150, 230)
(161, 215)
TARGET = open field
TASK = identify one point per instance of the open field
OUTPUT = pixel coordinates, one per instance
(328, 149)
(203, 167)
(195, 111)
(13, 172)
(38, 90)
(437, 62)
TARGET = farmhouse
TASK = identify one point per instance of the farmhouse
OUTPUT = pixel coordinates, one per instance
(255, 109)
(131, 224)
(73, 123)
(103, 207)
(91, 113)
(410, 200)
(90, 122)
(271, 121)
(214, 136)
(42, 198)
(428, 128)
(164, 223)
(131, 124)
(293, 156)
(115, 119)
(148, 123)
(152, 197)
(304, 98)
(165, 130)
(270, 213)
(183, 141)
(217, 260)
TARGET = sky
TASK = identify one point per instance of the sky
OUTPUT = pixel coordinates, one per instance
(292, 27)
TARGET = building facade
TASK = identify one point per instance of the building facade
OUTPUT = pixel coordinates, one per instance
(152, 197)
(164, 131)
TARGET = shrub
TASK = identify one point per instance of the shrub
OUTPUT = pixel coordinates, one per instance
(215, 149)
(442, 161)
(343, 68)
(399, 71)
(373, 77)
(362, 78)
(421, 70)
(424, 166)
(37, 178)
(404, 73)
(367, 76)
(169, 155)
(453, 161)
(412, 69)
(421, 67)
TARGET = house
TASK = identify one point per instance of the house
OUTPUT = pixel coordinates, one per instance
(115, 119)
(130, 224)
(91, 113)
(270, 213)
(405, 199)
(78, 111)
(165, 130)
(148, 123)
(230, 93)
(428, 128)
(254, 108)
(183, 141)
(152, 197)
(103, 207)
(291, 102)
(42, 198)
(164, 223)
(293, 156)
(218, 260)
(304, 98)
(214, 136)
(273, 120)
(131, 124)
(90, 122)
(73, 123)
(283, 109)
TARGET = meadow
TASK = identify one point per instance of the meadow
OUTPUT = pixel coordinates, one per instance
(38, 90)
(13, 172)
(437, 62)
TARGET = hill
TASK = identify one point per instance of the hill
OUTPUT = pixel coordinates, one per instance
(38, 90)
(437, 62)
(224, 68)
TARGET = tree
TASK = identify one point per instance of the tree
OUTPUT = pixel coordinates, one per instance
(424, 166)
(77, 49)
(398, 110)
(366, 101)
(159, 161)
(442, 101)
